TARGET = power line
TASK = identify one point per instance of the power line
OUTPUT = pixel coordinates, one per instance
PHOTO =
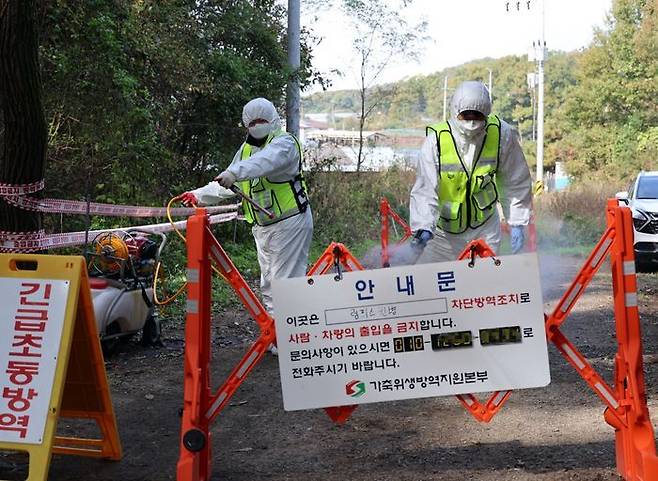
(538, 56)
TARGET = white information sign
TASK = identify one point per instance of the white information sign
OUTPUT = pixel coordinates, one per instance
(32, 319)
(410, 332)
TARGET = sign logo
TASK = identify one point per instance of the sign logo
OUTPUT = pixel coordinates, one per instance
(355, 388)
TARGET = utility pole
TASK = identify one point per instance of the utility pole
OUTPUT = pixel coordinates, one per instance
(540, 115)
(490, 86)
(540, 58)
(532, 88)
(445, 98)
(293, 97)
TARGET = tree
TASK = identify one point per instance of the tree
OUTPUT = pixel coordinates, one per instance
(613, 107)
(23, 131)
(145, 98)
(382, 37)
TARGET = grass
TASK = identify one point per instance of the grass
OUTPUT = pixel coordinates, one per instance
(346, 210)
(573, 220)
(244, 256)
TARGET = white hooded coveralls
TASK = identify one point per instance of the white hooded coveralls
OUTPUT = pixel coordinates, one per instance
(513, 176)
(283, 246)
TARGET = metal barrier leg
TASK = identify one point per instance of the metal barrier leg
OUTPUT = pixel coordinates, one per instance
(386, 215)
(383, 212)
(635, 441)
(194, 460)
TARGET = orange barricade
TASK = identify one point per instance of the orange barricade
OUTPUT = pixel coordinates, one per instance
(338, 257)
(626, 407)
(531, 244)
(482, 412)
(200, 405)
(387, 213)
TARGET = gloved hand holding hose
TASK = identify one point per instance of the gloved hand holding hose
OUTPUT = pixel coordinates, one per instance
(226, 179)
(188, 199)
(420, 240)
(251, 201)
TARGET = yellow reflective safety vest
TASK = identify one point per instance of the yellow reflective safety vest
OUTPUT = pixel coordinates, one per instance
(284, 199)
(467, 198)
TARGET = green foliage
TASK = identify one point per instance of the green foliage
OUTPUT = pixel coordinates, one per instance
(600, 104)
(346, 204)
(572, 219)
(144, 101)
(418, 101)
(144, 98)
(611, 113)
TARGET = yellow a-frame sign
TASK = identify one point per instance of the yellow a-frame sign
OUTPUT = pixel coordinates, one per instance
(51, 363)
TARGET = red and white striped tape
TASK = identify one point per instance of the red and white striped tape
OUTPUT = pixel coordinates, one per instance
(37, 241)
(59, 206)
(16, 195)
(21, 189)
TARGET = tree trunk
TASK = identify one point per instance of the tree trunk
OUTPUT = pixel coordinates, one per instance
(24, 125)
(362, 122)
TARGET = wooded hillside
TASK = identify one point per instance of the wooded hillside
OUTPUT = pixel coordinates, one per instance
(601, 104)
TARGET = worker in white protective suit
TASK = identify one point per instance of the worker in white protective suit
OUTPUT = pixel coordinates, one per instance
(466, 166)
(268, 168)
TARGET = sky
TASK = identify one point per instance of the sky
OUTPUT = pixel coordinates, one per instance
(460, 31)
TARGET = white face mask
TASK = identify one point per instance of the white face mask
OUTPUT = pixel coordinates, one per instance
(470, 128)
(260, 131)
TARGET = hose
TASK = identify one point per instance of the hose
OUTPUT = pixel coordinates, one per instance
(170, 299)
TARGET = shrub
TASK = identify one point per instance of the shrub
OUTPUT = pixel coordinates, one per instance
(573, 218)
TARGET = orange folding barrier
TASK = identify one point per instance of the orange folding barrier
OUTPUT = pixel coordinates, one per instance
(482, 412)
(626, 408)
(338, 257)
(200, 405)
(386, 214)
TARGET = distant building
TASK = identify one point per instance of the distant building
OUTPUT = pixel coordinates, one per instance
(558, 180)
(309, 125)
(327, 156)
(334, 149)
(561, 177)
(345, 137)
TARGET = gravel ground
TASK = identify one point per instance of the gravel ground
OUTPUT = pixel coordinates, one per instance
(555, 433)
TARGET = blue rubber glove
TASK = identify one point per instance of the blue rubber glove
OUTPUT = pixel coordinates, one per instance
(420, 240)
(518, 238)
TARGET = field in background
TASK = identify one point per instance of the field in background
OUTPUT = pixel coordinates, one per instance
(573, 220)
(346, 209)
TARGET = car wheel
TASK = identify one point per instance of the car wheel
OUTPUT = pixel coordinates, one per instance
(109, 346)
(151, 331)
(641, 265)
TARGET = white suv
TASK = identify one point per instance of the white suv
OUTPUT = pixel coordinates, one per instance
(642, 198)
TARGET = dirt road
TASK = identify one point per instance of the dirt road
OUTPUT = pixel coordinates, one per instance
(555, 434)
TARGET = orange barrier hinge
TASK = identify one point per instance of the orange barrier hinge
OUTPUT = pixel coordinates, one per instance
(257, 311)
(482, 412)
(386, 214)
(338, 257)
